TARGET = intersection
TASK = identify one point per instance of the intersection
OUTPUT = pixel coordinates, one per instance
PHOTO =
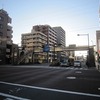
(46, 83)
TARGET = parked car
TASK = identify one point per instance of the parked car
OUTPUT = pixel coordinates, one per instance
(77, 63)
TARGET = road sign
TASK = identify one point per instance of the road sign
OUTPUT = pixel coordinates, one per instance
(46, 48)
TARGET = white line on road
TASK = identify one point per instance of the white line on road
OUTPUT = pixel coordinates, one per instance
(78, 72)
(71, 77)
(53, 90)
(99, 89)
(12, 97)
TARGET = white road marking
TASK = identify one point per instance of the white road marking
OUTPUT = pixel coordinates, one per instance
(13, 97)
(71, 77)
(78, 72)
(99, 89)
(53, 90)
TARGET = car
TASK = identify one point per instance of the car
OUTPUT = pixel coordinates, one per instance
(77, 63)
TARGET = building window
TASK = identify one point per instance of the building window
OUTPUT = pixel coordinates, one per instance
(1, 26)
(0, 51)
(1, 33)
(0, 42)
(1, 18)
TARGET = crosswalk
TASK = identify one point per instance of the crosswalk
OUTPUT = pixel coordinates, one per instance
(55, 67)
(58, 67)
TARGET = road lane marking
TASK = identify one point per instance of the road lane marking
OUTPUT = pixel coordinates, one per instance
(71, 77)
(53, 90)
(99, 89)
(12, 97)
(78, 72)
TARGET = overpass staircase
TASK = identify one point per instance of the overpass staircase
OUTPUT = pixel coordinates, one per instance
(24, 56)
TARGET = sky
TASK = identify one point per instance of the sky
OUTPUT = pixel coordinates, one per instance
(74, 16)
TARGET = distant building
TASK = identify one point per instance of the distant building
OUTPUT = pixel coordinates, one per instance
(39, 37)
(5, 37)
(61, 41)
(60, 36)
(98, 41)
(51, 39)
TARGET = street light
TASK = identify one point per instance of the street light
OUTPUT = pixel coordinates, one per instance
(87, 37)
(88, 44)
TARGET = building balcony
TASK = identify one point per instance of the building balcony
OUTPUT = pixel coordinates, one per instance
(9, 20)
(34, 40)
(9, 34)
(9, 28)
(7, 50)
(9, 42)
(37, 44)
(8, 56)
(28, 41)
(30, 37)
(38, 49)
(34, 44)
(30, 44)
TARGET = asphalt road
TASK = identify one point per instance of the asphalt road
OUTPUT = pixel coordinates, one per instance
(47, 83)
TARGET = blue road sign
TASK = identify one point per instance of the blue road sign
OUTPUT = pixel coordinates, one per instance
(46, 48)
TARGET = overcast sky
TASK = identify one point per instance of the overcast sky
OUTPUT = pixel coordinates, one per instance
(74, 16)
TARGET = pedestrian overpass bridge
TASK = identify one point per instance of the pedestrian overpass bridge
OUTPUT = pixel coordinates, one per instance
(71, 48)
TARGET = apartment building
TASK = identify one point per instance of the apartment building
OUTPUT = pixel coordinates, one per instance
(60, 36)
(44, 35)
(61, 40)
(51, 39)
(5, 37)
(34, 41)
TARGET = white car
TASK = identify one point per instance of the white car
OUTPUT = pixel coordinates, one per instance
(77, 63)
